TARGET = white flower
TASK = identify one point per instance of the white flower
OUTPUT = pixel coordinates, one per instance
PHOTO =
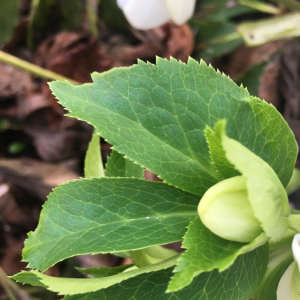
(289, 284)
(147, 14)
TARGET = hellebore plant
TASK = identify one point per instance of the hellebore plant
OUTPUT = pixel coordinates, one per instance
(147, 14)
(225, 159)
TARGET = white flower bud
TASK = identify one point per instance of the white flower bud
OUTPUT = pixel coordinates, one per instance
(226, 211)
(147, 14)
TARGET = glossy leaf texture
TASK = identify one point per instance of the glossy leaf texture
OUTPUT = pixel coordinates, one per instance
(156, 114)
(102, 215)
(239, 282)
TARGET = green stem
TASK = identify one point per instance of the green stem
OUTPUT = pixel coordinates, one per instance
(31, 68)
(290, 4)
(223, 39)
(263, 7)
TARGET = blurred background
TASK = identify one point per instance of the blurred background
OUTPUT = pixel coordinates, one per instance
(256, 43)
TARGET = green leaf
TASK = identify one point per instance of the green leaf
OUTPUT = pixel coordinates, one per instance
(119, 166)
(9, 14)
(215, 39)
(91, 7)
(219, 10)
(206, 252)
(266, 194)
(93, 166)
(54, 15)
(103, 215)
(217, 153)
(72, 13)
(103, 271)
(26, 277)
(238, 282)
(73, 286)
(156, 114)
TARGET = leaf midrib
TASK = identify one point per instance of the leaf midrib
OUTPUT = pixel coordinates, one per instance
(116, 222)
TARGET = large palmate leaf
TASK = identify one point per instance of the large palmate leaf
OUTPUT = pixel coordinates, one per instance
(206, 252)
(239, 282)
(108, 215)
(155, 115)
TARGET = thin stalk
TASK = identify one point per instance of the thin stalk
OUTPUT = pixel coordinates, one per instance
(260, 6)
(32, 68)
(224, 39)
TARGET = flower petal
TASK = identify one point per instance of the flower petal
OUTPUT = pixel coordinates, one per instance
(181, 10)
(284, 286)
(145, 14)
(296, 249)
(289, 284)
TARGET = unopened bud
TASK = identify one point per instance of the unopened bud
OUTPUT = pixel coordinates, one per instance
(226, 211)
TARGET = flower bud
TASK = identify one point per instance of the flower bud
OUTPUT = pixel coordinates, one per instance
(226, 211)
(148, 14)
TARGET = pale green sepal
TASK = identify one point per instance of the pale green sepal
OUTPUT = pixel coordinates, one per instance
(151, 255)
(294, 183)
(206, 252)
(226, 205)
(74, 286)
(294, 220)
(93, 166)
(267, 196)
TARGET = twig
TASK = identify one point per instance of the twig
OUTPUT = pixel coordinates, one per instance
(32, 68)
